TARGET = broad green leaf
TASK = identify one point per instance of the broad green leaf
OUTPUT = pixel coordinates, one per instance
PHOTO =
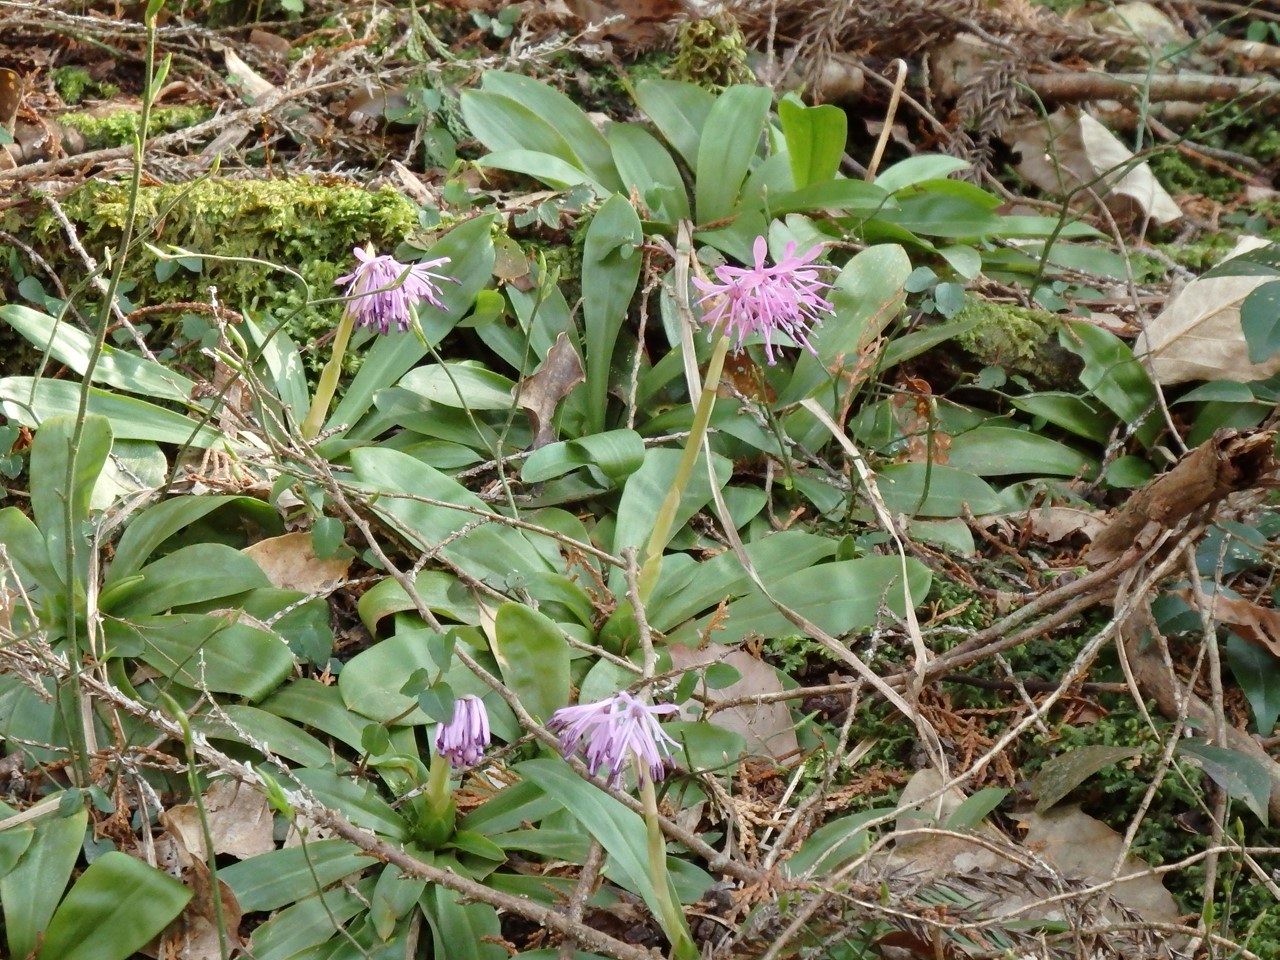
(355, 798)
(150, 529)
(443, 593)
(687, 588)
(118, 369)
(815, 140)
(646, 167)
(28, 550)
(616, 454)
(55, 450)
(281, 737)
(1260, 262)
(460, 385)
(919, 169)
(307, 923)
(31, 890)
(1068, 411)
(933, 490)
(182, 579)
(992, 451)
(849, 196)
(1260, 321)
(487, 550)
(534, 657)
(946, 208)
(868, 294)
(393, 897)
(1113, 376)
(975, 808)
(904, 348)
(550, 169)
(522, 802)
(504, 123)
(1062, 774)
(730, 141)
(134, 466)
(462, 929)
(321, 707)
(281, 877)
(114, 909)
(834, 843)
(610, 270)
(1242, 776)
(31, 402)
(620, 831)
(469, 248)
(589, 148)
(953, 533)
(679, 110)
(837, 597)
(210, 653)
(706, 746)
(1258, 673)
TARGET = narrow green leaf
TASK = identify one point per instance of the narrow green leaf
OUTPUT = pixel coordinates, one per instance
(31, 890)
(679, 110)
(992, 451)
(1113, 376)
(534, 656)
(616, 454)
(114, 909)
(1062, 774)
(934, 490)
(1260, 321)
(918, 169)
(51, 456)
(551, 170)
(462, 929)
(31, 402)
(610, 272)
(28, 550)
(118, 369)
(815, 140)
(182, 579)
(1242, 776)
(730, 141)
(832, 844)
(280, 877)
(1258, 673)
(646, 167)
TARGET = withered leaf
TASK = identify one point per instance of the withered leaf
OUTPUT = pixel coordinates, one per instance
(541, 392)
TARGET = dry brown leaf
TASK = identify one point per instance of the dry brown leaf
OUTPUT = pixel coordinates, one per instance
(1053, 524)
(1073, 151)
(541, 392)
(1081, 846)
(1260, 625)
(194, 934)
(240, 822)
(1198, 335)
(767, 727)
(290, 563)
(252, 85)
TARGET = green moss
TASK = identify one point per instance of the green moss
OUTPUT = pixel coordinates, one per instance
(1177, 174)
(118, 128)
(72, 83)
(711, 53)
(300, 223)
(1017, 339)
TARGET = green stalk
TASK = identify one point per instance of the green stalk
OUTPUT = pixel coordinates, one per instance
(328, 384)
(651, 562)
(682, 945)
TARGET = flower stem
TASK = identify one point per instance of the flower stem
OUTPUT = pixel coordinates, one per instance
(328, 384)
(651, 563)
(672, 917)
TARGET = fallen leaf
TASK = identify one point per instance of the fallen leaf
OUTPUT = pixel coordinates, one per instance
(1256, 624)
(1054, 524)
(1198, 335)
(767, 727)
(240, 822)
(253, 87)
(290, 563)
(1084, 847)
(541, 392)
(1073, 151)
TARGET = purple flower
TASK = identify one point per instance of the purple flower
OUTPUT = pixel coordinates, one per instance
(381, 289)
(462, 740)
(764, 300)
(616, 731)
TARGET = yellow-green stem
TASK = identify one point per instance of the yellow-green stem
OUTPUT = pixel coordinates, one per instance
(651, 563)
(328, 384)
(682, 946)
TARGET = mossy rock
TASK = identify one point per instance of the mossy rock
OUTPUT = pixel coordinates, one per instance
(115, 128)
(246, 236)
(1021, 341)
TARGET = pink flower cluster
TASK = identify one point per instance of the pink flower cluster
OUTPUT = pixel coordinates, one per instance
(614, 732)
(382, 289)
(462, 740)
(763, 300)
